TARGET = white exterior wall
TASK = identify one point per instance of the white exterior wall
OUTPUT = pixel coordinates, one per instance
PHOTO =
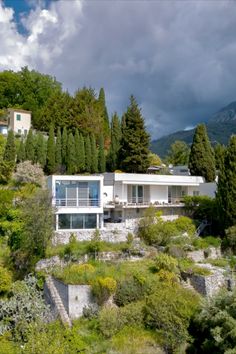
(208, 189)
(23, 124)
(159, 194)
(193, 189)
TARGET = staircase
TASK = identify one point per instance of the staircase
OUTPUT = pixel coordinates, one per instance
(56, 299)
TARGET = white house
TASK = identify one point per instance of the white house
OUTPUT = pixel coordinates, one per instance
(89, 202)
(78, 202)
(19, 121)
(126, 195)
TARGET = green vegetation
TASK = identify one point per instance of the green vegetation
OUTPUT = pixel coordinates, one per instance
(134, 141)
(178, 153)
(201, 158)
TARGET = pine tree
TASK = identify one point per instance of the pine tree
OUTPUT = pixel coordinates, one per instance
(113, 155)
(29, 146)
(50, 161)
(102, 101)
(226, 187)
(64, 146)
(94, 155)
(135, 141)
(71, 158)
(10, 148)
(101, 156)
(58, 150)
(21, 151)
(201, 158)
(88, 154)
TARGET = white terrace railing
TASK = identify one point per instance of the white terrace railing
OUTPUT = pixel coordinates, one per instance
(75, 202)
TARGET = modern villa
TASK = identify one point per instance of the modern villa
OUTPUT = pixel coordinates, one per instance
(88, 202)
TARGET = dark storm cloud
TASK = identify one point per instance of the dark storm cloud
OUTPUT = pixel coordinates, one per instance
(176, 57)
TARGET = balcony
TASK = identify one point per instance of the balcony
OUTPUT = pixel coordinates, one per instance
(77, 203)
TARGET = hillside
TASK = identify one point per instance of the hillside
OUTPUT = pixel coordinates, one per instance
(220, 127)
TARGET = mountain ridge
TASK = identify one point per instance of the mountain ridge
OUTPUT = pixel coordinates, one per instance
(220, 126)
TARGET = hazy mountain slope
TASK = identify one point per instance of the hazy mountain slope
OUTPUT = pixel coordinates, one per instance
(220, 127)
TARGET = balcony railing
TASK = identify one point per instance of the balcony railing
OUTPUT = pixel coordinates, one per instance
(74, 202)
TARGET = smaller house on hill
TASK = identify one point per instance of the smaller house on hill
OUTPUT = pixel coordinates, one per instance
(19, 121)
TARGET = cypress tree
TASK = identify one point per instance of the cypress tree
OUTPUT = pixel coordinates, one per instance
(21, 151)
(41, 150)
(94, 155)
(10, 148)
(112, 160)
(77, 150)
(135, 141)
(71, 158)
(64, 146)
(81, 156)
(201, 158)
(58, 149)
(101, 155)
(226, 187)
(88, 154)
(50, 161)
(29, 146)
(102, 101)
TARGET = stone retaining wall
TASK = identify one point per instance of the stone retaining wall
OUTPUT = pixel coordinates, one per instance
(201, 255)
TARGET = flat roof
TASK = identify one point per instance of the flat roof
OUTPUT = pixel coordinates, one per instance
(18, 110)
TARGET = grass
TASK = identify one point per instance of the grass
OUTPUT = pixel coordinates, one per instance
(219, 262)
(209, 241)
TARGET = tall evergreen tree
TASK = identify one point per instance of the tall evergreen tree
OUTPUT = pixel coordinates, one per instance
(64, 146)
(135, 141)
(201, 158)
(10, 148)
(112, 160)
(101, 155)
(29, 146)
(40, 150)
(71, 157)
(81, 156)
(21, 151)
(77, 150)
(226, 187)
(88, 154)
(58, 149)
(94, 155)
(50, 161)
(102, 101)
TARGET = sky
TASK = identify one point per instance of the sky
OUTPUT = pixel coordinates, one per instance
(176, 57)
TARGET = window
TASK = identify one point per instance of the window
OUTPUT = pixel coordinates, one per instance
(77, 221)
(137, 194)
(19, 131)
(18, 117)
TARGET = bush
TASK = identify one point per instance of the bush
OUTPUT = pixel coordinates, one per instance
(5, 280)
(131, 289)
(168, 311)
(103, 288)
(108, 320)
(201, 243)
(167, 277)
(165, 262)
(185, 224)
(131, 314)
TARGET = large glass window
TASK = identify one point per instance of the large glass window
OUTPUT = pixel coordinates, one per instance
(77, 221)
(137, 194)
(80, 194)
(64, 221)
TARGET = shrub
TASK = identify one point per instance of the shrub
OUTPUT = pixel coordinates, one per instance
(168, 311)
(95, 243)
(103, 288)
(76, 274)
(5, 280)
(131, 289)
(131, 314)
(167, 277)
(108, 321)
(165, 262)
(185, 224)
(201, 243)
